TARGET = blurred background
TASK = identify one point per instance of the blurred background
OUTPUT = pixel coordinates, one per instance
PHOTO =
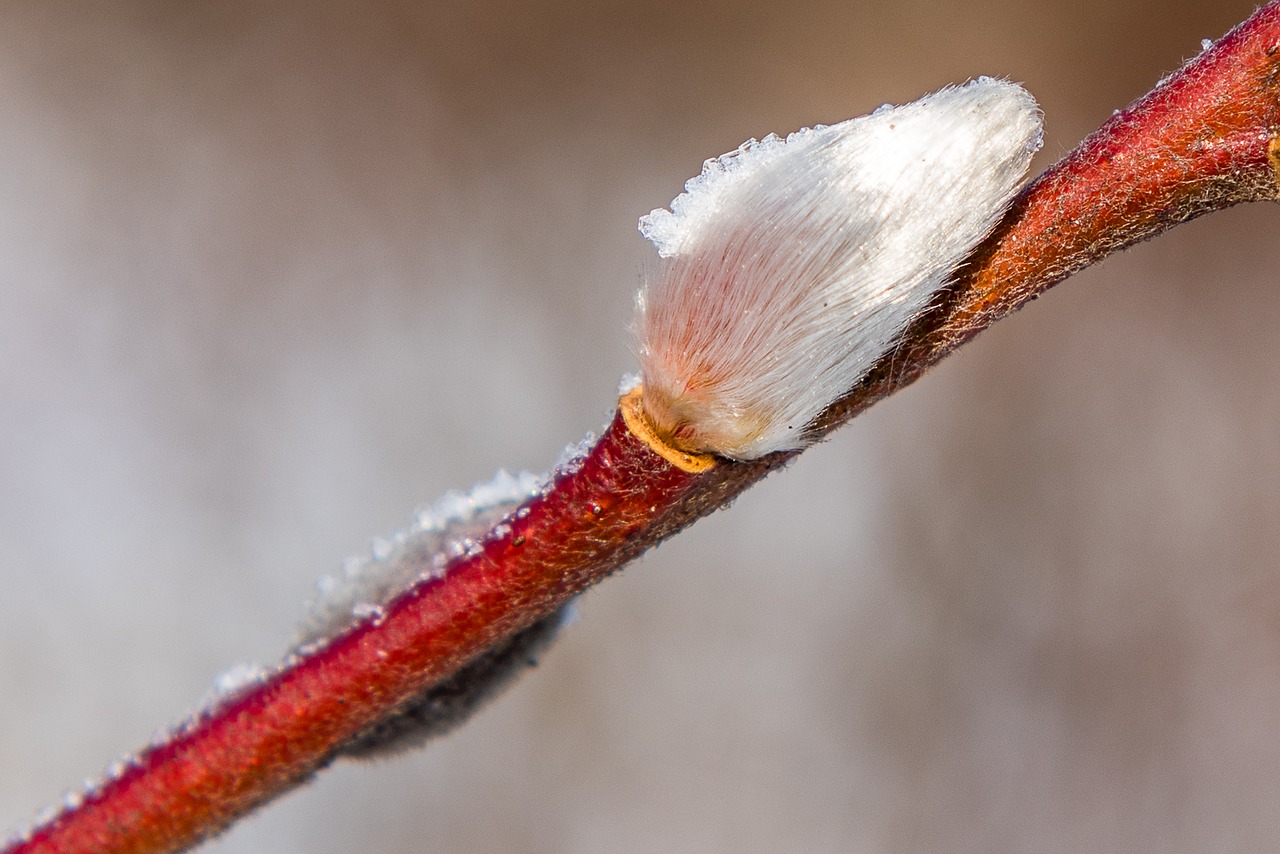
(274, 275)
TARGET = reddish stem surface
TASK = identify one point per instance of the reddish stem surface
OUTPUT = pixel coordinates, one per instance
(1203, 140)
(234, 757)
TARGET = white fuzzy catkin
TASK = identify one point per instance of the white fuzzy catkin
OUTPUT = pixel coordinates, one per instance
(790, 267)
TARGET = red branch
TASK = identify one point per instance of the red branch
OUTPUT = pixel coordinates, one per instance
(1203, 140)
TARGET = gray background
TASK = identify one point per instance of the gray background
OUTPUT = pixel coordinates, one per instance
(273, 275)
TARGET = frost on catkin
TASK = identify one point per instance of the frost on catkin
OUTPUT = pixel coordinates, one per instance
(788, 268)
(454, 527)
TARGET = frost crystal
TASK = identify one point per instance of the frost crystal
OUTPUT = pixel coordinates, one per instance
(674, 230)
(572, 456)
(456, 525)
(227, 686)
(236, 678)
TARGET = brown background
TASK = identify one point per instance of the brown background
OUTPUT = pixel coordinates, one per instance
(272, 275)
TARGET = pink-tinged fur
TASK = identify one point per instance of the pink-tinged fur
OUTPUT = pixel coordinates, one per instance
(790, 267)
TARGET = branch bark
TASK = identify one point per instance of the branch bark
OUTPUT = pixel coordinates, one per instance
(1205, 139)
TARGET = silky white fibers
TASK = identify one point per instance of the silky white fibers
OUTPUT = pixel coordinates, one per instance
(790, 267)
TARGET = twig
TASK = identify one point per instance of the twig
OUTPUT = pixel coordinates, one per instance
(1203, 140)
